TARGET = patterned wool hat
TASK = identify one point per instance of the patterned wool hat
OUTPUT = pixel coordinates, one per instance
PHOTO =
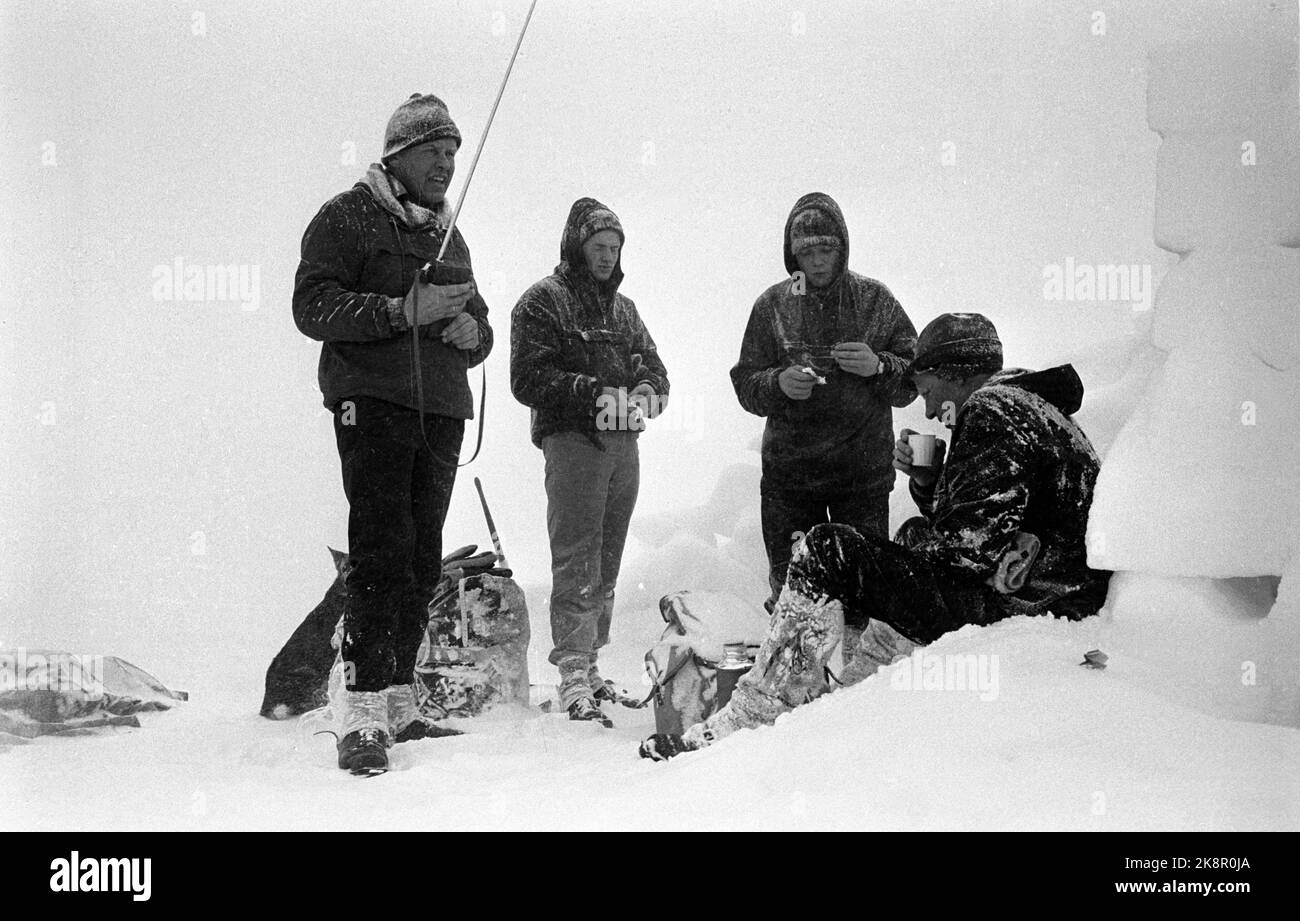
(595, 221)
(814, 227)
(418, 120)
(958, 345)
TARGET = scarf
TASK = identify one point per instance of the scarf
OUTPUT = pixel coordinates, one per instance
(388, 191)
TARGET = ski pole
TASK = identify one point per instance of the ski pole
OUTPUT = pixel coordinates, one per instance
(446, 240)
(492, 528)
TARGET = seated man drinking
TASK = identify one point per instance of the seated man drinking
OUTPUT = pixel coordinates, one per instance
(1003, 533)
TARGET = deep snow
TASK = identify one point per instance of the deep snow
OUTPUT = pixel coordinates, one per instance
(1060, 747)
(1159, 739)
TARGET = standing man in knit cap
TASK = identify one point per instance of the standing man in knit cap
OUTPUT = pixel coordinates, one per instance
(583, 361)
(1002, 533)
(823, 359)
(359, 294)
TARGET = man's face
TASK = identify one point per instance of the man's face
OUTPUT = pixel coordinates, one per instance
(943, 398)
(426, 169)
(601, 252)
(819, 264)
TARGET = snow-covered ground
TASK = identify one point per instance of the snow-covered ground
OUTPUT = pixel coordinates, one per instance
(1057, 746)
(1028, 739)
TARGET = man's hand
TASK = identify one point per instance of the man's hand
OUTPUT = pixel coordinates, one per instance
(644, 396)
(796, 383)
(856, 358)
(924, 476)
(662, 746)
(462, 332)
(436, 302)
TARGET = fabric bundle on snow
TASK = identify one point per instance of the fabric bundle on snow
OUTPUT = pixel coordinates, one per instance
(49, 692)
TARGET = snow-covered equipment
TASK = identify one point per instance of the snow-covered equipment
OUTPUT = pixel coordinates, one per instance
(710, 641)
(307, 672)
(47, 692)
(475, 649)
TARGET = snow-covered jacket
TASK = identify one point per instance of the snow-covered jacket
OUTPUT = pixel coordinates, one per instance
(840, 438)
(571, 336)
(358, 262)
(1019, 463)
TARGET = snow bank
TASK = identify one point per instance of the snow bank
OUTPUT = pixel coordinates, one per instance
(1054, 746)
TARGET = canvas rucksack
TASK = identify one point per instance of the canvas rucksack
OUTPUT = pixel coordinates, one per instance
(475, 650)
(710, 641)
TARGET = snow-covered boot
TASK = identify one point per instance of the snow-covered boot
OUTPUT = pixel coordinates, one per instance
(586, 710)
(404, 721)
(790, 670)
(575, 690)
(575, 681)
(363, 742)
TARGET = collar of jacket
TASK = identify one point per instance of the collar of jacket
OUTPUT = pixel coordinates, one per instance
(388, 191)
(596, 295)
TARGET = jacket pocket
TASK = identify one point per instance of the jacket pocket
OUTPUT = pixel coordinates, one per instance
(602, 353)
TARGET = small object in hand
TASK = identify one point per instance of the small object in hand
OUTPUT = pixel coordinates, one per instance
(923, 448)
(1094, 658)
(817, 378)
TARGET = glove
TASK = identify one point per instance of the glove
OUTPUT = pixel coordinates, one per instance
(662, 746)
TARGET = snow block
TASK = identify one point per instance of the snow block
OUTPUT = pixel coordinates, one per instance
(1245, 82)
(1205, 644)
(1285, 612)
(1228, 188)
(1239, 299)
(1199, 480)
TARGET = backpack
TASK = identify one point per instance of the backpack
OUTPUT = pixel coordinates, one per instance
(475, 649)
(711, 639)
(473, 655)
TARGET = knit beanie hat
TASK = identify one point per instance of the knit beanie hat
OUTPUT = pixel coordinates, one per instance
(814, 227)
(417, 121)
(595, 221)
(958, 345)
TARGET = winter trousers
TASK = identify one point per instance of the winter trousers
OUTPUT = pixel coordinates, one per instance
(789, 514)
(398, 492)
(879, 599)
(591, 489)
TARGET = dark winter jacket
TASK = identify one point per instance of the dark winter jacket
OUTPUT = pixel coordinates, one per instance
(570, 336)
(358, 262)
(841, 438)
(1019, 462)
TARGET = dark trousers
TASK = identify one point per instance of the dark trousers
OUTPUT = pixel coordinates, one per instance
(591, 489)
(398, 492)
(874, 578)
(788, 515)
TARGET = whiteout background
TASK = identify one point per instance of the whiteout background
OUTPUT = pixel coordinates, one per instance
(169, 479)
